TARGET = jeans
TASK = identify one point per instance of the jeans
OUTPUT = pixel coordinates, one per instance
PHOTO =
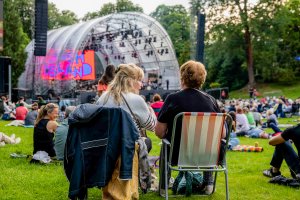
(254, 133)
(274, 127)
(285, 151)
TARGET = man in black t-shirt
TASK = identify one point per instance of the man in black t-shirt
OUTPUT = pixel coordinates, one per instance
(284, 150)
(189, 99)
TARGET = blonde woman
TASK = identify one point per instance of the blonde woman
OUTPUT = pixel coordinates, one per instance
(123, 92)
(44, 129)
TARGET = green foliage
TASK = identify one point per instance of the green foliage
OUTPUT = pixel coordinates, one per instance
(214, 85)
(176, 21)
(57, 19)
(15, 40)
(272, 29)
(109, 8)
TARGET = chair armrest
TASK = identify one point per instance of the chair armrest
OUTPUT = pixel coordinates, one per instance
(166, 142)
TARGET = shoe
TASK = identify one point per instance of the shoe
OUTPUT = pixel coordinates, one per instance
(13, 136)
(269, 173)
(208, 189)
(2, 144)
(298, 177)
(17, 140)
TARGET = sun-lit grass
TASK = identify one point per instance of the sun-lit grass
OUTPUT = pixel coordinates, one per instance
(21, 180)
(272, 89)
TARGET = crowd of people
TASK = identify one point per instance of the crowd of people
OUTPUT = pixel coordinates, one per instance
(119, 88)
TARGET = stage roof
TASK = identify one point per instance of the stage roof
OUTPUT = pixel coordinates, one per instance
(127, 37)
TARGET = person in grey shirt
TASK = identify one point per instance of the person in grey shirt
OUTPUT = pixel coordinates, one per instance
(61, 134)
(32, 115)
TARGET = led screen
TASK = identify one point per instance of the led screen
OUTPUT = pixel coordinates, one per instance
(80, 68)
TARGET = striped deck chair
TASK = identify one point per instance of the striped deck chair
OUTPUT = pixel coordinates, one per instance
(199, 145)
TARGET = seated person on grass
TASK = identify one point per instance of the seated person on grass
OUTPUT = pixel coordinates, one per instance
(243, 127)
(284, 150)
(32, 115)
(44, 129)
(61, 134)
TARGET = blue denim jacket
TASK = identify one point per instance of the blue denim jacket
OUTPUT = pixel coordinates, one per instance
(96, 137)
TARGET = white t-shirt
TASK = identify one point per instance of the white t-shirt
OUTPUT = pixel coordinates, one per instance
(140, 109)
(242, 122)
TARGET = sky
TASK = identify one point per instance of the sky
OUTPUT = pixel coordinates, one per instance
(81, 7)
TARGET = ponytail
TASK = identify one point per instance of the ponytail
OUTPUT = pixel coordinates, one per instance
(44, 110)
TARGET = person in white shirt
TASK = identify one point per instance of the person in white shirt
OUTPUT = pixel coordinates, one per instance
(125, 87)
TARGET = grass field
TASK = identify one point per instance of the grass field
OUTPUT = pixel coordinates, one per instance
(21, 180)
(272, 89)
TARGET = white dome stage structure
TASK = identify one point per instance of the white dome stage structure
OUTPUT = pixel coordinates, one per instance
(78, 54)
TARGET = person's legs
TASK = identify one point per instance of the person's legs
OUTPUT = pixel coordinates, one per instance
(290, 156)
(241, 133)
(274, 127)
(162, 169)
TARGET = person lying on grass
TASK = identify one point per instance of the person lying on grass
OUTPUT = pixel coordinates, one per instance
(284, 150)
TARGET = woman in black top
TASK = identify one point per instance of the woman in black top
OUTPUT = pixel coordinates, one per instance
(44, 129)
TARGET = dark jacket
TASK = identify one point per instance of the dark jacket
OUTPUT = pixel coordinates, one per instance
(96, 137)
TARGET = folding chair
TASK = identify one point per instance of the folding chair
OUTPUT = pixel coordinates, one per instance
(200, 145)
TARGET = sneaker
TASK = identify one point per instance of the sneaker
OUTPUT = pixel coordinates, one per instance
(298, 177)
(208, 189)
(269, 173)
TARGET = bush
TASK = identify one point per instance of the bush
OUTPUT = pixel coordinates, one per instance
(214, 85)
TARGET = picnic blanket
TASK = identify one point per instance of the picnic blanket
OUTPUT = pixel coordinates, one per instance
(285, 125)
(247, 148)
(16, 123)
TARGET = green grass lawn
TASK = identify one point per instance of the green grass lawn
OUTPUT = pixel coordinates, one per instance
(272, 89)
(21, 180)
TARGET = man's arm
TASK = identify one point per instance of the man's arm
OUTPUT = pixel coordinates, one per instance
(276, 140)
(160, 129)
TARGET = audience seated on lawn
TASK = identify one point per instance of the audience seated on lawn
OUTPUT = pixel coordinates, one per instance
(44, 129)
(61, 134)
(284, 150)
(189, 99)
(243, 128)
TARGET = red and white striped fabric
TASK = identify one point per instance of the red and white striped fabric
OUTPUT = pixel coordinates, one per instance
(200, 139)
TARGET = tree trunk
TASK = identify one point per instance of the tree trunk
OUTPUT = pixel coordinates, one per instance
(249, 56)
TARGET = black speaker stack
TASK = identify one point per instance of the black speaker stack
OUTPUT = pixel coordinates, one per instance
(41, 27)
(200, 38)
(4, 79)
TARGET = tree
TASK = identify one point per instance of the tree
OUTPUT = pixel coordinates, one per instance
(15, 40)
(57, 19)
(25, 8)
(176, 21)
(109, 8)
(244, 13)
